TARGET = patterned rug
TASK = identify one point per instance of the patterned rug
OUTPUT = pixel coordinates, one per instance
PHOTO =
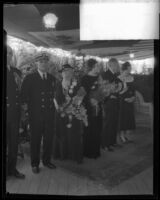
(112, 168)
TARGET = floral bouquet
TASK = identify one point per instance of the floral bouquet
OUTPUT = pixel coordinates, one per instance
(73, 108)
(102, 90)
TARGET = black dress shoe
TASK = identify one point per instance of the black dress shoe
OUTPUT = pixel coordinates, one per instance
(17, 174)
(35, 170)
(49, 165)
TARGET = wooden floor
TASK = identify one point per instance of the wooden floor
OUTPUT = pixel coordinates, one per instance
(63, 182)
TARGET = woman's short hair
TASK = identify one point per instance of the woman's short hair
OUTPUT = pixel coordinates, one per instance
(125, 66)
(91, 63)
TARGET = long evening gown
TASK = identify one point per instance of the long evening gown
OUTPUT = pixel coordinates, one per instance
(111, 113)
(92, 133)
(126, 114)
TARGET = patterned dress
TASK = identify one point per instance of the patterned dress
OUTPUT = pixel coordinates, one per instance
(92, 133)
(68, 144)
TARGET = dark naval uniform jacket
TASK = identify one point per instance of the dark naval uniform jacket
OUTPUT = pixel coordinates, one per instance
(39, 95)
(13, 95)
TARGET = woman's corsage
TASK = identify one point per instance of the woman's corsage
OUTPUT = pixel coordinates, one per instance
(73, 106)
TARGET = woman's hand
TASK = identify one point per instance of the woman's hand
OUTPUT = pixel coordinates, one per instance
(81, 92)
(133, 99)
(94, 102)
(77, 100)
(113, 97)
(127, 100)
(130, 100)
(24, 107)
(124, 90)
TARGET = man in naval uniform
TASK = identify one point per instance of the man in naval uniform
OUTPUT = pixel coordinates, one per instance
(110, 129)
(13, 116)
(38, 93)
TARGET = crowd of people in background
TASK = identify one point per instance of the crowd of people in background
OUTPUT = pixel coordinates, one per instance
(68, 112)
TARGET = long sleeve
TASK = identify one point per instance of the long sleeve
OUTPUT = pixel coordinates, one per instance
(25, 90)
(59, 96)
(86, 85)
(132, 88)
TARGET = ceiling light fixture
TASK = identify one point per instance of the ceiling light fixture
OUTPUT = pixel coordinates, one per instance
(50, 20)
(131, 55)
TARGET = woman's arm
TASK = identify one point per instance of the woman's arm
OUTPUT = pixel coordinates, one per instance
(59, 96)
(25, 89)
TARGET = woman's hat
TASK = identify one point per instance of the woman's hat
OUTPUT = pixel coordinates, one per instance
(91, 62)
(66, 67)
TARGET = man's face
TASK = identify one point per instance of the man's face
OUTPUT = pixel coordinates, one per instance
(43, 65)
(9, 55)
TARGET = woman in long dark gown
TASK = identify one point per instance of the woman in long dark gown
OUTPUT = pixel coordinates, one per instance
(92, 133)
(127, 97)
(68, 138)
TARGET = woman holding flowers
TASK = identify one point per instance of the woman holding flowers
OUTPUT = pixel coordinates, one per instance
(127, 98)
(92, 133)
(71, 117)
(111, 106)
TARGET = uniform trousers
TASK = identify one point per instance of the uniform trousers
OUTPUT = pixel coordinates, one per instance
(42, 126)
